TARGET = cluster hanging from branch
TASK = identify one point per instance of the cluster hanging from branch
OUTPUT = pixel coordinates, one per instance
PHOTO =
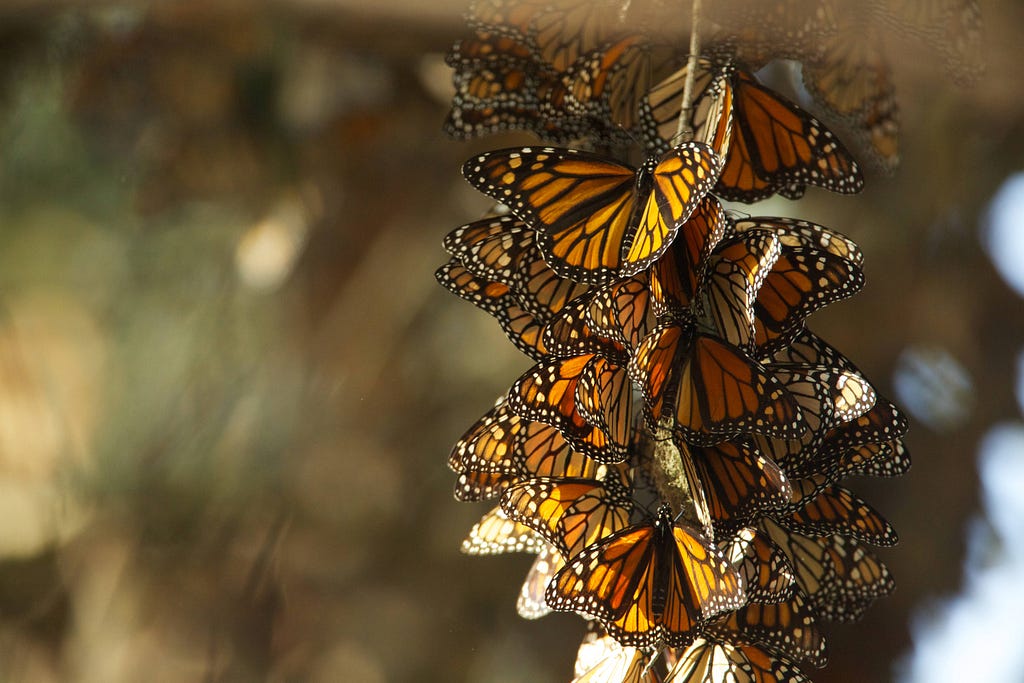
(675, 457)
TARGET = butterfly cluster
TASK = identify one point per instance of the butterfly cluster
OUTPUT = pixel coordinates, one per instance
(676, 457)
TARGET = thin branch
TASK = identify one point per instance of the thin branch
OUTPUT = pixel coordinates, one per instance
(684, 133)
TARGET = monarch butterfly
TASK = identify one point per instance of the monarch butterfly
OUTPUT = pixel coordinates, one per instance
(852, 82)
(521, 327)
(597, 219)
(816, 267)
(786, 628)
(675, 277)
(602, 660)
(888, 459)
(622, 311)
(465, 122)
(503, 249)
(561, 70)
(570, 333)
(557, 33)
(487, 46)
(530, 603)
(711, 390)
(800, 282)
(767, 573)
(736, 273)
(869, 445)
(737, 482)
(552, 392)
(500, 86)
(608, 321)
(838, 575)
(711, 660)
(604, 398)
(711, 120)
(569, 513)
(808, 349)
(503, 17)
(820, 509)
(884, 422)
(775, 146)
(485, 294)
(540, 290)
(650, 583)
(502, 448)
(954, 27)
(793, 232)
(608, 84)
(827, 396)
(754, 34)
(492, 248)
(495, 533)
(762, 282)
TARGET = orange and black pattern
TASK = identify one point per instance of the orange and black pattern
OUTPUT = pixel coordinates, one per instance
(676, 456)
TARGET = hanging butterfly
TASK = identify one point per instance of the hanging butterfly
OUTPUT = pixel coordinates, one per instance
(556, 33)
(503, 249)
(649, 584)
(553, 392)
(521, 327)
(601, 659)
(869, 444)
(828, 397)
(767, 573)
(799, 283)
(676, 276)
(502, 449)
(888, 459)
(953, 27)
(775, 146)
(754, 34)
(710, 122)
(710, 390)
(466, 123)
(572, 333)
(495, 533)
(851, 81)
(609, 320)
(492, 248)
(710, 660)
(607, 85)
(808, 349)
(785, 628)
(884, 422)
(499, 85)
(793, 232)
(839, 576)
(821, 509)
(597, 219)
(727, 297)
(570, 513)
(737, 482)
(530, 604)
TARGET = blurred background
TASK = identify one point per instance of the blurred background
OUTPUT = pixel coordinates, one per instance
(229, 382)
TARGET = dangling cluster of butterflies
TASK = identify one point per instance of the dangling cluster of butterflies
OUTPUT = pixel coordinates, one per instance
(675, 458)
(610, 71)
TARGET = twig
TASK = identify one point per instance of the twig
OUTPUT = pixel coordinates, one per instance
(684, 133)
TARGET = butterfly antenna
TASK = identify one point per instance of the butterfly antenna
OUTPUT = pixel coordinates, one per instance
(684, 132)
